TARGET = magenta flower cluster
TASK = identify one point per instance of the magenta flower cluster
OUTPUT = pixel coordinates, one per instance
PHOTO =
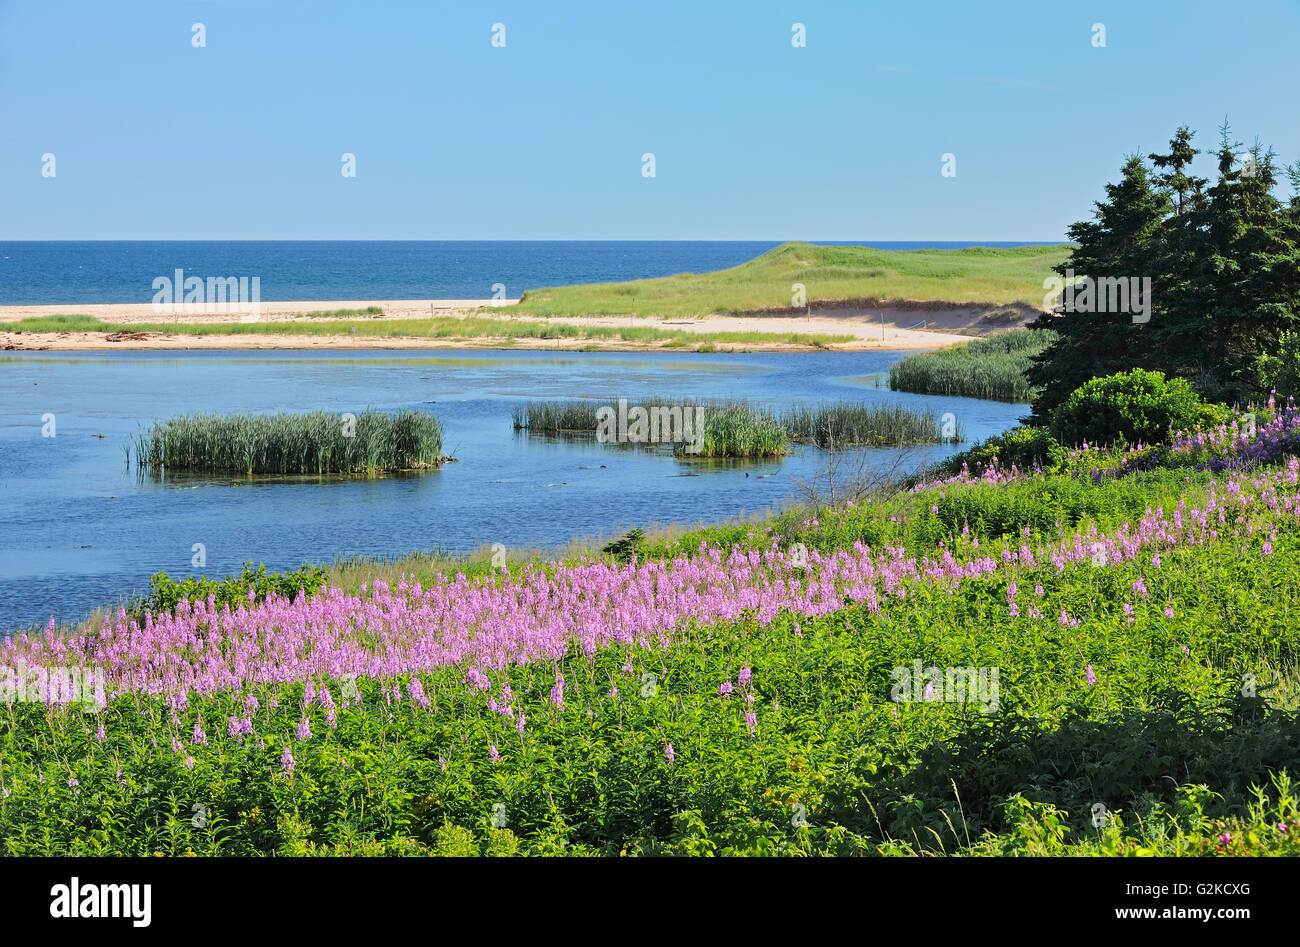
(546, 612)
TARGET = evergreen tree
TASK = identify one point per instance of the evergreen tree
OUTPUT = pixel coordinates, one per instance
(1224, 263)
(1186, 188)
(1237, 285)
(1116, 243)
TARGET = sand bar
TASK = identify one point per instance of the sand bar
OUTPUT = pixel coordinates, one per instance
(869, 329)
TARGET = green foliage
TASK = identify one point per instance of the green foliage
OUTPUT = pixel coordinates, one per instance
(1137, 704)
(1022, 447)
(736, 430)
(975, 275)
(1223, 260)
(1129, 408)
(250, 585)
(1280, 372)
(60, 322)
(834, 766)
(580, 417)
(743, 430)
(626, 546)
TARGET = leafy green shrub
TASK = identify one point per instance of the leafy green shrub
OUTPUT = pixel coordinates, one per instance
(1129, 407)
(1281, 372)
(1043, 505)
(1025, 447)
(166, 593)
(625, 547)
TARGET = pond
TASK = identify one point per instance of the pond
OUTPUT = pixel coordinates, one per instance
(78, 529)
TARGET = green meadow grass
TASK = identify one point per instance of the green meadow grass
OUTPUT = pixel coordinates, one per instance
(63, 322)
(341, 313)
(317, 442)
(979, 276)
(992, 367)
(470, 328)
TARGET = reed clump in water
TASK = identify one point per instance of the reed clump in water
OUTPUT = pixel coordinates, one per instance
(736, 429)
(993, 367)
(317, 442)
(582, 416)
(557, 417)
(701, 428)
(847, 424)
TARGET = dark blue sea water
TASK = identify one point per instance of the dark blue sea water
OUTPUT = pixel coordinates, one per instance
(123, 271)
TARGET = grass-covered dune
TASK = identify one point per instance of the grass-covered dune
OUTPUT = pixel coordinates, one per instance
(316, 442)
(976, 276)
(993, 367)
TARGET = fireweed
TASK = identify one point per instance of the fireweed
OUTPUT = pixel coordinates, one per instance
(543, 612)
(589, 698)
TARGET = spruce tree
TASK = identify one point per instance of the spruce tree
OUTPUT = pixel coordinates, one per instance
(1225, 275)
(1186, 189)
(1237, 285)
(1116, 243)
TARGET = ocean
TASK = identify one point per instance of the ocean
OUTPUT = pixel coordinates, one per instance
(123, 271)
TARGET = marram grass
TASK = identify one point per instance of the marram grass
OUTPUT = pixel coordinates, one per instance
(483, 330)
(975, 276)
(318, 442)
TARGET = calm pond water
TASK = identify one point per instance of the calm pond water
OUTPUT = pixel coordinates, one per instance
(79, 530)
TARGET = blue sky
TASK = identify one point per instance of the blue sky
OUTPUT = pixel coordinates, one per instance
(542, 139)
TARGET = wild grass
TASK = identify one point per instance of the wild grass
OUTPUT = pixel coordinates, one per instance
(730, 429)
(556, 417)
(580, 416)
(848, 424)
(341, 313)
(62, 322)
(450, 328)
(830, 426)
(979, 275)
(737, 430)
(318, 442)
(992, 368)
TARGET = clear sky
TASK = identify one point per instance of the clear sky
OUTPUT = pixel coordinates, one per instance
(753, 138)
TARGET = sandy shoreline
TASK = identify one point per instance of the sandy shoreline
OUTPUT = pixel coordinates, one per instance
(874, 329)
